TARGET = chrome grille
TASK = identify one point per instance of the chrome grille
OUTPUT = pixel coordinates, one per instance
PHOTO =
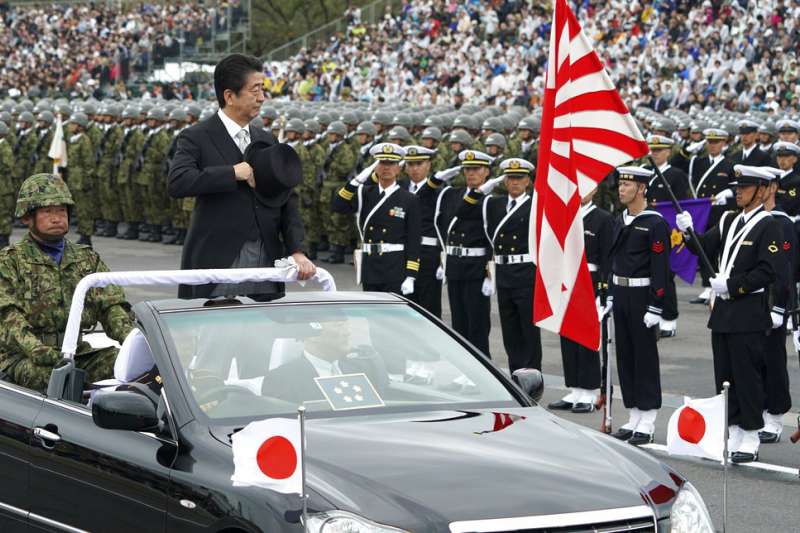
(638, 519)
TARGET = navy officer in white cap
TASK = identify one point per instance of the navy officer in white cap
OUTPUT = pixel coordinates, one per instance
(639, 271)
(388, 223)
(747, 246)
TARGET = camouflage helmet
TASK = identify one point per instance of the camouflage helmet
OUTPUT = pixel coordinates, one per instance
(26, 116)
(269, 112)
(463, 122)
(366, 128)
(80, 119)
(178, 115)
(130, 112)
(46, 117)
(349, 118)
(432, 133)
(337, 127)
(496, 139)
(431, 121)
(296, 125)
(313, 126)
(403, 120)
(156, 113)
(89, 108)
(42, 190)
(529, 123)
(461, 137)
(492, 124)
(3, 128)
(7, 117)
(399, 132)
(382, 117)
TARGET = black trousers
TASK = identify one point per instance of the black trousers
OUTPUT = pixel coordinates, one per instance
(382, 287)
(521, 339)
(739, 359)
(581, 365)
(776, 375)
(427, 289)
(670, 310)
(637, 351)
(471, 311)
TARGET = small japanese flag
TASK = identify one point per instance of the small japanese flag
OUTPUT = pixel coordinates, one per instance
(698, 428)
(267, 454)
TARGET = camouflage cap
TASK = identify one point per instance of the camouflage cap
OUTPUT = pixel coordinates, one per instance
(296, 125)
(42, 190)
(366, 128)
(3, 128)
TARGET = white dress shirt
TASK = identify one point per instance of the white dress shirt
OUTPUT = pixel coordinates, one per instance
(233, 128)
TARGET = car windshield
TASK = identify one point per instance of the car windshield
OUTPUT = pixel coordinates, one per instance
(268, 360)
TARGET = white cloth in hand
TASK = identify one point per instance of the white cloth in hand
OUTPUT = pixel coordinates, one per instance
(695, 147)
(651, 319)
(489, 186)
(719, 284)
(684, 221)
(448, 173)
(777, 319)
(796, 340)
(488, 287)
(440, 273)
(721, 198)
(408, 286)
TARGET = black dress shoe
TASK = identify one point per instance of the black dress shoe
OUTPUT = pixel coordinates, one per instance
(767, 437)
(668, 333)
(583, 408)
(640, 438)
(698, 301)
(743, 457)
(622, 434)
(561, 405)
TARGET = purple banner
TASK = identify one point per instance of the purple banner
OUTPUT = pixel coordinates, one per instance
(682, 261)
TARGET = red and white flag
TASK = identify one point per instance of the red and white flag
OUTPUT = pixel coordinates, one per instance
(267, 454)
(58, 147)
(698, 428)
(586, 132)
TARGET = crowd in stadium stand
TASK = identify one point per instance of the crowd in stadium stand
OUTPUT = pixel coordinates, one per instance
(733, 54)
(97, 48)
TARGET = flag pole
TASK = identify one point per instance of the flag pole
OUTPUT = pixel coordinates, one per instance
(725, 386)
(609, 330)
(701, 253)
(301, 413)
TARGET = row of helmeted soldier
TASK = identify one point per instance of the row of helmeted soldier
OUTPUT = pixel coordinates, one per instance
(417, 231)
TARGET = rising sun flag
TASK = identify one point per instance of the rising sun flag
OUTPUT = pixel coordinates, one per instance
(586, 132)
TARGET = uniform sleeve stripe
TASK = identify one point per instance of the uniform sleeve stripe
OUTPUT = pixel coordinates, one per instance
(470, 200)
(412, 265)
(347, 195)
(433, 184)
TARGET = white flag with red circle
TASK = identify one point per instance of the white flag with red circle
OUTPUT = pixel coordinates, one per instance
(698, 428)
(267, 454)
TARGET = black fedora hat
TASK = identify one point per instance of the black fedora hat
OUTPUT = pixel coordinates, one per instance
(277, 170)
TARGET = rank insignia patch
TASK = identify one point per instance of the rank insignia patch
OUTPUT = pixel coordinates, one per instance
(658, 247)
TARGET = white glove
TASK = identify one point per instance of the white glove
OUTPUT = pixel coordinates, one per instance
(684, 221)
(408, 286)
(448, 174)
(777, 319)
(365, 149)
(489, 186)
(364, 175)
(487, 288)
(440, 273)
(796, 340)
(607, 309)
(719, 284)
(651, 319)
(696, 146)
(721, 198)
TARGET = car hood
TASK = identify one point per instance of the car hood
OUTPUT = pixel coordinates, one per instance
(422, 471)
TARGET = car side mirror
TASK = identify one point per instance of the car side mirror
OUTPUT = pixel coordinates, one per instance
(124, 410)
(531, 381)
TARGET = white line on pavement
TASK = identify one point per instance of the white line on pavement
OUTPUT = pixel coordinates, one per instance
(759, 465)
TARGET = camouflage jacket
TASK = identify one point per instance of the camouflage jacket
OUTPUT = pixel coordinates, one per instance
(24, 152)
(41, 160)
(154, 156)
(110, 145)
(6, 168)
(307, 187)
(340, 163)
(35, 296)
(80, 162)
(132, 144)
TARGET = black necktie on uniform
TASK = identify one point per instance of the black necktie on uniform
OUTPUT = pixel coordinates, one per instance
(381, 194)
(739, 225)
(511, 206)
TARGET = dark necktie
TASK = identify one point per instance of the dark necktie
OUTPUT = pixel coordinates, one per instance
(381, 194)
(511, 206)
(739, 225)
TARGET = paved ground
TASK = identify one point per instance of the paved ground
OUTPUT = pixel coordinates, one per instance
(759, 500)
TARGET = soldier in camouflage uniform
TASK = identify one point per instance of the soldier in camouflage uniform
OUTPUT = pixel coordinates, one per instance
(365, 137)
(178, 119)
(151, 176)
(25, 147)
(37, 278)
(80, 175)
(6, 185)
(106, 155)
(313, 226)
(338, 165)
(42, 162)
(307, 190)
(132, 143)
(431, 138)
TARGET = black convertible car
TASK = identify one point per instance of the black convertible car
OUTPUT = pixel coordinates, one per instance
(446, 442)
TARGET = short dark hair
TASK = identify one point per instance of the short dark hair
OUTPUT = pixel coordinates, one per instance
(231, 73)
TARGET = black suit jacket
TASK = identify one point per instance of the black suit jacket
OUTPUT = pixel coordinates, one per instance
(228, 212)
(460, 223)
(756, 158)
(510, 237)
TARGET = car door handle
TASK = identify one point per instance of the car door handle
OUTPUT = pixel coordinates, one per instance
(48, 438)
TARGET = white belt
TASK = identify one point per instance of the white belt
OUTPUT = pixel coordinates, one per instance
(630, 282)
(513, 259)
(430, 241)
(382, 248)
(592, 267)
(460, 251)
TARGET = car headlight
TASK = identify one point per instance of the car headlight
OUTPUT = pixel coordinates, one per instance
(689, 513)
(344, 522)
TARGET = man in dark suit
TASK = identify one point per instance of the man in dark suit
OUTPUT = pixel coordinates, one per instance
(751, 154)
(233, 224)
